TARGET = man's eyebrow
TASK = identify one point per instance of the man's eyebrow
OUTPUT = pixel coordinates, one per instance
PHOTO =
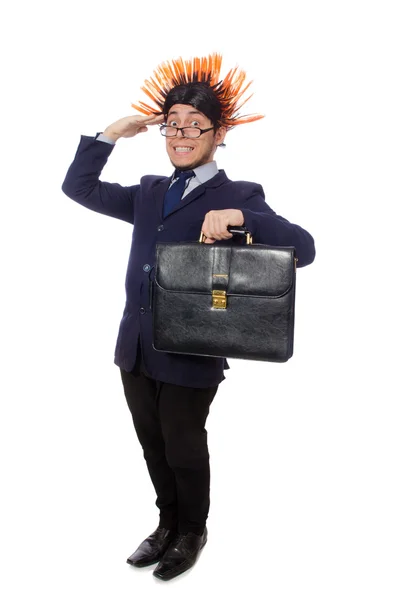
(190, 112)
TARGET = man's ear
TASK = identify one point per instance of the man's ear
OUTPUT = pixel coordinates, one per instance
(220, 135)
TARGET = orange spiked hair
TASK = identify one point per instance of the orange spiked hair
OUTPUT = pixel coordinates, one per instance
(206, 70)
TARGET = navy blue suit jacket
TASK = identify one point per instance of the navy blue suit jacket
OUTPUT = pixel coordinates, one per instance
(142, 206)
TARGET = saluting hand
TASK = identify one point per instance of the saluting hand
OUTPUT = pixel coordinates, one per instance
(216, 223)
(130, 126)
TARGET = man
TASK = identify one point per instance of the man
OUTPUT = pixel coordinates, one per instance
(169, 395)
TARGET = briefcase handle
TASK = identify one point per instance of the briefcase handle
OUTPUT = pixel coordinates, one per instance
(235, 231)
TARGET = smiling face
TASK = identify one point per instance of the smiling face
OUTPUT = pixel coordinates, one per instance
(188, 153)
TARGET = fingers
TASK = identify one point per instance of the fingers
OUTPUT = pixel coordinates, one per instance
(211, 234)
(215, 226)
(149, 120)
(216, 223)
(220, 236)
(157, 119)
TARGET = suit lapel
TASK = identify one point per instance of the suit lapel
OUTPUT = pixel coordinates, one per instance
(159, 193)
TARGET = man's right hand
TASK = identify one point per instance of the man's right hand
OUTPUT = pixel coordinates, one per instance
(129, 126)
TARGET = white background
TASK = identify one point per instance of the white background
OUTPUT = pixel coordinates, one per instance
(303, 454)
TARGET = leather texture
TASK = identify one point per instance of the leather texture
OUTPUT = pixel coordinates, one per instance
(258, 321)
(181, 555)
(152, 548)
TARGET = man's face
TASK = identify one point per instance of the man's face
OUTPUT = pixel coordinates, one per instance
(188, 153)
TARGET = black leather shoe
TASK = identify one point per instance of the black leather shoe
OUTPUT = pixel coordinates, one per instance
(153, 548)
(181, 555)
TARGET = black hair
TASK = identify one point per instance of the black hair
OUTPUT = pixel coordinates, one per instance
(197, 94)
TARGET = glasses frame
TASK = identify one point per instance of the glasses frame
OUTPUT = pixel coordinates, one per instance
(163, 128)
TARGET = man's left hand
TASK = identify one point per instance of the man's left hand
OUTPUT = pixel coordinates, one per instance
(216, 223)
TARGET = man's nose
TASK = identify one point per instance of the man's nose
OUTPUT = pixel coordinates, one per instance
(179, 131)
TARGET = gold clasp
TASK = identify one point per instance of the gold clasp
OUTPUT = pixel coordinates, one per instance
(218, 299)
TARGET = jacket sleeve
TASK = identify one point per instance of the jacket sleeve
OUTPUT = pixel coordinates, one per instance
(82, 183)
(267, 227)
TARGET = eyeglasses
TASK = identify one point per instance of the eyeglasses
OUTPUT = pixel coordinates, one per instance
(187, 132)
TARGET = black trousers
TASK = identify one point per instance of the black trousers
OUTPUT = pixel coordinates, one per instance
(169, 421)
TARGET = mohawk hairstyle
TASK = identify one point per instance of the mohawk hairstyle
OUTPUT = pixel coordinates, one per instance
(222, 98)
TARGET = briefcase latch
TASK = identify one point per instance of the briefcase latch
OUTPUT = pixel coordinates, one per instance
(218, 299)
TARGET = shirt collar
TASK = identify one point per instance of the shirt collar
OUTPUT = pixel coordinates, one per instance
(205, 172)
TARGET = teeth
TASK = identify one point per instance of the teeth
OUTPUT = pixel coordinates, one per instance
(183, 149)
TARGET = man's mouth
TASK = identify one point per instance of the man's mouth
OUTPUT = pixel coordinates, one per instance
(183, 149)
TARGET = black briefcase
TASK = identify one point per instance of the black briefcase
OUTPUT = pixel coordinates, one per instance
(225, 299)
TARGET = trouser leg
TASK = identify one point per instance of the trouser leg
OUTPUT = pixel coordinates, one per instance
(170, 424)
(183, 412)
(142, 397)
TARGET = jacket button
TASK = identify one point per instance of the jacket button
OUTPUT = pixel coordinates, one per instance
(160, 228)
(146, 268)
(142, 310)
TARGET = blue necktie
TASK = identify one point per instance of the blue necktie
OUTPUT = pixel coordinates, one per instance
(175, 192)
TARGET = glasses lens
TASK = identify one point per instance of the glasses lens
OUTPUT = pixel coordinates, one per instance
(191, 132)
(168, 131)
